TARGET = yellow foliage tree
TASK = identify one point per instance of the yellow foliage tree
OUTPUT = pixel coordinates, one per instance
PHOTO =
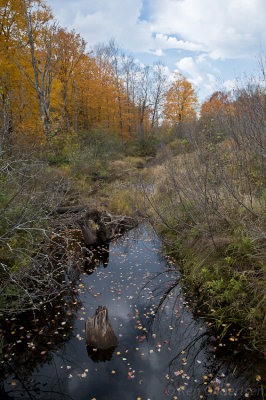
(180, 101)
(50, 84)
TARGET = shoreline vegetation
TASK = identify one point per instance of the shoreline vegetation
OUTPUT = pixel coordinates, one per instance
(98, 129)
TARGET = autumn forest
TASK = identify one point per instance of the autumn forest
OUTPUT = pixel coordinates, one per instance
(51, 83)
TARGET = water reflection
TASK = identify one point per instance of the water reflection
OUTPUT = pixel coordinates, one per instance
(203, 366)
(164, 350)
(95, 257)
(33, 340)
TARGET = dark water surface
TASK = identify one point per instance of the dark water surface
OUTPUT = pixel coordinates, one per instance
(164, 352)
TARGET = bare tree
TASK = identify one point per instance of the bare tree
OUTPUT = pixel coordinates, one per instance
(158, 90)
(45, 70)
(143, 95)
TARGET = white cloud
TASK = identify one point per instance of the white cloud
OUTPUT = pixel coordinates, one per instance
(188, 65)
(171, 42)
(198, 33)
(230, 85)
(158, 52)
(196, 72)
(102, 20)
(234, 28)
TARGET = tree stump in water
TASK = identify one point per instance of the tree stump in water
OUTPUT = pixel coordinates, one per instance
(99, 332)
(96, 226)
(92, 227)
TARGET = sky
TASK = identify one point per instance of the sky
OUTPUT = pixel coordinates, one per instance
(211, 42)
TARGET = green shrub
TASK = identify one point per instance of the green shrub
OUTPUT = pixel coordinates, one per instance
(142, 146)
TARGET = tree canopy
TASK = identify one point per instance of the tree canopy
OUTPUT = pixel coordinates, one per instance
(180, 100)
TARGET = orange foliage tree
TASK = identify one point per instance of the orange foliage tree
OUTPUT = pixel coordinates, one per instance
(180, 101)
(217, 103)
(70, 50)
(50, 84)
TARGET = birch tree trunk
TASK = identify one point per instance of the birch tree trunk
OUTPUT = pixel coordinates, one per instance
(43, 76)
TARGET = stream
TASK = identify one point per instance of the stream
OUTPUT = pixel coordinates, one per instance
(164, 350)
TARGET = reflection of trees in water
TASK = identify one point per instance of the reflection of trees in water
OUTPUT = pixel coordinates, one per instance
(32, 389)
(33, 338)
(196, 351)
(95, 257)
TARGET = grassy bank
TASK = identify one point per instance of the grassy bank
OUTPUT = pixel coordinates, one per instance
(103, 170)
(209, 207)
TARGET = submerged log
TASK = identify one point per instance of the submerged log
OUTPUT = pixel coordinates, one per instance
(99, 332)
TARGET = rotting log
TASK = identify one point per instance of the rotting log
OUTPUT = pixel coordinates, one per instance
(70, 209)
